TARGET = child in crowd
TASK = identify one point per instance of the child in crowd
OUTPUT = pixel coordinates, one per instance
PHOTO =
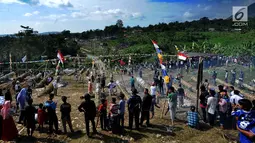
(65, 110)
(192, 116)
(122, 104)
(114, 116)
(153, 103)
(103, 114)
(30, 117)
(41, 116)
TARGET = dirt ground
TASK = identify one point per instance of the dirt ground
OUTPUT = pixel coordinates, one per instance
(159, 132)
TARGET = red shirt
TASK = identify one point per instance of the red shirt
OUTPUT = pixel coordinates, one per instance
(41, 116)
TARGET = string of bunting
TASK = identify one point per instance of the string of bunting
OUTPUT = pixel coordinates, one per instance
(71, 58)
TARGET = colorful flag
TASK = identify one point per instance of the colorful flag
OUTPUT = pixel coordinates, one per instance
(60, 57)
(182, 56)
(160, 58)
(24, 59)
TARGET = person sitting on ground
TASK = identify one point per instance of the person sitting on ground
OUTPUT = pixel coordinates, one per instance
(102, 109)
(41, 116)
(192, 117)
(65, 110)
(30, 117)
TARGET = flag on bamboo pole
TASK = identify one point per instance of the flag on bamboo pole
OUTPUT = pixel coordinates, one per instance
(61, 57)
(160, 58)
(57, 68)
(24, 59)
(200, 73)
(10, 56)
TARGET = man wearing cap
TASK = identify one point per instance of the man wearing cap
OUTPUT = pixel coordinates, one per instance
(89, 108)
(134, 108)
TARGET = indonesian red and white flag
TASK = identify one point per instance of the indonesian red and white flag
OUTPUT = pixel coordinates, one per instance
(182, 56)
(60, 57)
(155, 44)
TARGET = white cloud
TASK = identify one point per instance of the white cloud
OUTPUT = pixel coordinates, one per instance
(30, 14)
(187, 14)
(36, 12)
(78, 15)
(10, 1)
(55, 3)
(53, 16)
(208, 7)
(199, 5)
(107, 14)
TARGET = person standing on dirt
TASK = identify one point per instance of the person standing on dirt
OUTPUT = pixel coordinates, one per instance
(134, 108)
(102, 109)
(180, 95)
(226, 76)
(172, 102)
(65, 110)
(114, 116)
(29, 92)
(206, 84)
(241, 79)
(233, 79)
(161, 85)
(212, 102)
(30, 117)
(146, 105)
(214, 76)
(102, 81)
(132, 82)
(122, 104)
(203, 101)
(51, 111)
(55, 87)
(89, 108)
(7, 95)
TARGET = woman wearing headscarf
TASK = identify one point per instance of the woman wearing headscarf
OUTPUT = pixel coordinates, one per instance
(9, 130)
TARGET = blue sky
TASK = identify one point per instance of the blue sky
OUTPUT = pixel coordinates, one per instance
(81, 15)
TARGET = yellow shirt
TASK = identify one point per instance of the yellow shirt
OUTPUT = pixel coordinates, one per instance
(166, 79)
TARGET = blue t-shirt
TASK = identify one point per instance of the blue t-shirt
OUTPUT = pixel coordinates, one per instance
(244, 139)
(246, 119)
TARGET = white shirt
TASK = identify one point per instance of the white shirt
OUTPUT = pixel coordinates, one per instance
(212, 103)
(235, 98)
(16, 87)
(153, 90)
(55, 84)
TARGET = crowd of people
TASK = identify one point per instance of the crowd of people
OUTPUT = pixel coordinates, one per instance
(226, 104)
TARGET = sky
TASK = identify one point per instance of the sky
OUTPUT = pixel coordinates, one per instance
(82, 15)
